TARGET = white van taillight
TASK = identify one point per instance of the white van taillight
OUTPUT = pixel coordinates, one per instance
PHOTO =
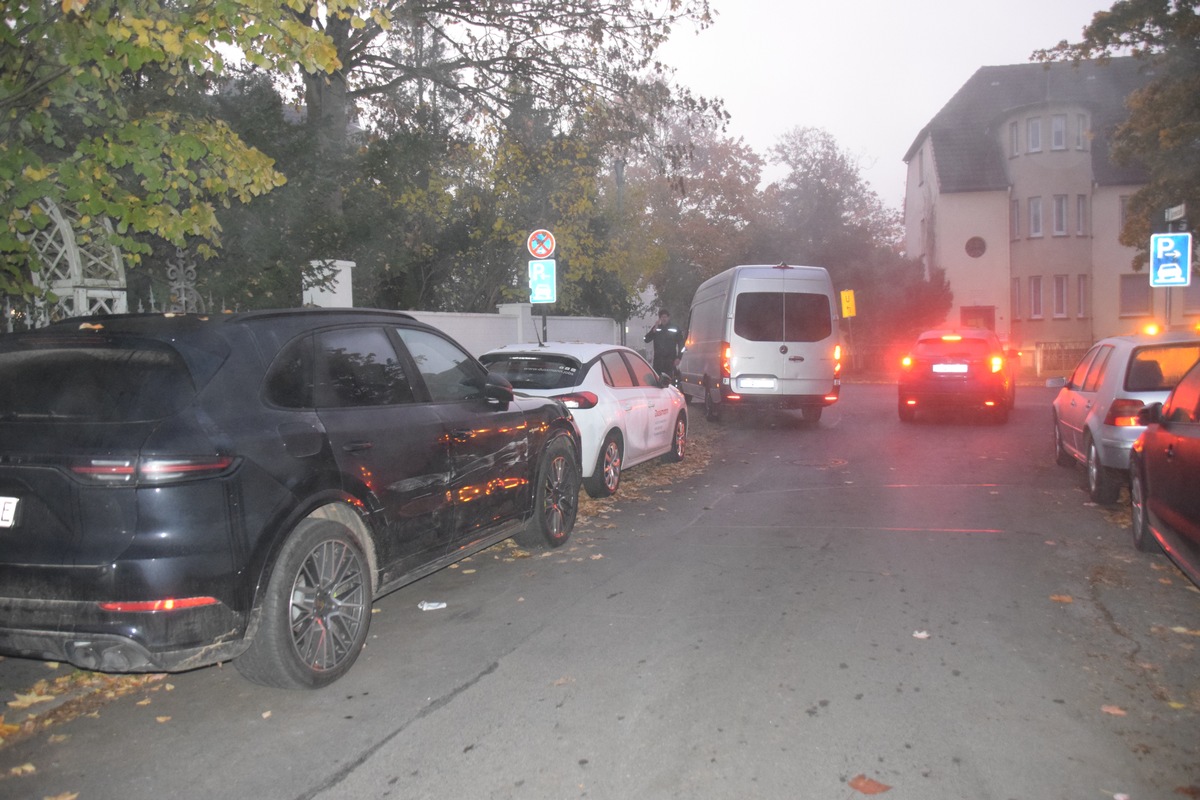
(579, 400)
(726, 356)
(124, 472)
(837, 360)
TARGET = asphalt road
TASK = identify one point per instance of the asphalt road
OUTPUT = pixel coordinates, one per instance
(820, 613)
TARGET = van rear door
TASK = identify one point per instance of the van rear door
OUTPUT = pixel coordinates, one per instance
(783, 335)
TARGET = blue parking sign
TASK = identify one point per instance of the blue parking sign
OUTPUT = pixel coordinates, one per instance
(1170, 259)
(543, 286)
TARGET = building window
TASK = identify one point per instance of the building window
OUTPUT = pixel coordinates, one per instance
(1014, 139)
(1081, 215)
(1060, 297)
(1058, 132)
(1014, 219)
(1035, 297)
(1081, 132)
(1081, 296)
(1135, 296)
(1033, 135)
(1015, 299)
(1035, 217)
(1060, 215)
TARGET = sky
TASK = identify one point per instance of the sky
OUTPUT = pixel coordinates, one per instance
(872, 73)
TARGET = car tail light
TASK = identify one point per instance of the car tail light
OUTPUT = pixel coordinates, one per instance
(837, 359)
(997, 363)
(726, 356)
(1123, 412)
(168, 604)
(128, 472)
(579, 400)
(906, 362)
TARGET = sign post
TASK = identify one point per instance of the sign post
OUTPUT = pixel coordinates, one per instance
(543, 276)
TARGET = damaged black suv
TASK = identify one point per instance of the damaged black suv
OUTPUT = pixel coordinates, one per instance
(181, 490)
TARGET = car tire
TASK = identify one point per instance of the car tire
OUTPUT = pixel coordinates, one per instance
(315, 611)
(555, 497)
(907, 413)
(1061, 456)
(1000, 414)
(1012, 397)
(606, 477)
(1143, 539)
(678, 441)
(1101, 482)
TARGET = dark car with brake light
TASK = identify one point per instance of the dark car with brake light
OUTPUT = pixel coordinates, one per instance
(965, 368)
(180, 490)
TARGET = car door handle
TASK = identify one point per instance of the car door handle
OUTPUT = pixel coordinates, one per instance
(354, 447)
(795, 358)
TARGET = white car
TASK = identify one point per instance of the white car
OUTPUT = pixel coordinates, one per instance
(627, 413)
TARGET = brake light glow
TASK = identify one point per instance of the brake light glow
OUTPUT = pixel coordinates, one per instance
(579, 400)
(906, 362)
(726, 357)
(951, 337)
(997, 363)
(837, 359)
(168, 604)
(1123, 413)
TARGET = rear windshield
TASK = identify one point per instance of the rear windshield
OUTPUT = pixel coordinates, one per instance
(1159, 367)
(782, 317)
(91, 380)
(965, 348)
(534, 371)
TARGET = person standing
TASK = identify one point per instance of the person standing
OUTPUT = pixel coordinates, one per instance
(667, 342)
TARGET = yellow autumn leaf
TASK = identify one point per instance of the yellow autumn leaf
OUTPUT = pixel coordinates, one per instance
(163, 719)
(1184, 631)
(24, 769)
(1062, 598)
(1116, 711)
(63, 796)
(73, 5)
(28, 700)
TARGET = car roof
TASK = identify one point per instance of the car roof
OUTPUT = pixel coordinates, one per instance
(1140, 339)
(583, 351)
(937, 333)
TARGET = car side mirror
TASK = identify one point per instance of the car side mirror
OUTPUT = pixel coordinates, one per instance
(664, 380)
(1149, 415)
(1056, 383)
(497, 387)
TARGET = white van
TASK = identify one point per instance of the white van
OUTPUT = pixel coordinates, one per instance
(762, 335)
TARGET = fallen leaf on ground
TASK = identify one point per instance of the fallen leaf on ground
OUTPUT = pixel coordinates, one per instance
(861, 783)
(266, 715)
(1062, 598)
(27, 700)
(24, 769)
(920, 634)
(1176, 629)
(163, 719)
(63, 796)
(1116, 711)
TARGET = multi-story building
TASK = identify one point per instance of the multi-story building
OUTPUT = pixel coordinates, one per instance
(1012, 192)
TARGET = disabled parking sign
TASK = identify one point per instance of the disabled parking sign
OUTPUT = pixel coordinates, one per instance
(1170, 259)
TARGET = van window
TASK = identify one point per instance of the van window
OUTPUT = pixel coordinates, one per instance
(782, 317)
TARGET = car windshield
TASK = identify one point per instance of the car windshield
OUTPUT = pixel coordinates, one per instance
(534, 371)
(966, 347)
(91, 380)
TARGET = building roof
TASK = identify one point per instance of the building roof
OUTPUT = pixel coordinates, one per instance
(968, 151)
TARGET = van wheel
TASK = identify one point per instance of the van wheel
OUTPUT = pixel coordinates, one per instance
(810, 415)
(606, 477)
(712, 411)
(315, 611)
(907, 413)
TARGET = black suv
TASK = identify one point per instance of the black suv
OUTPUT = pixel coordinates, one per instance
(179, 490)
(965, 368)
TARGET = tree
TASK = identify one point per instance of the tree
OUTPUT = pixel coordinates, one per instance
(569, 54)
(78, 128)
(1162, 132)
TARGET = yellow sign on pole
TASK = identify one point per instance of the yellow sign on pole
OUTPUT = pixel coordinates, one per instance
(847, 303)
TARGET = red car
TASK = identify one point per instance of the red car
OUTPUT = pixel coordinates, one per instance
(1164, 477)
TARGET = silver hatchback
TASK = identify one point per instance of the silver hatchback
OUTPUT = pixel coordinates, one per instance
(1096, 410)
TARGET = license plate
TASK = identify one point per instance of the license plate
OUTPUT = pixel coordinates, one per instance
(757, 383)
(8, 511)
(950, 369)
